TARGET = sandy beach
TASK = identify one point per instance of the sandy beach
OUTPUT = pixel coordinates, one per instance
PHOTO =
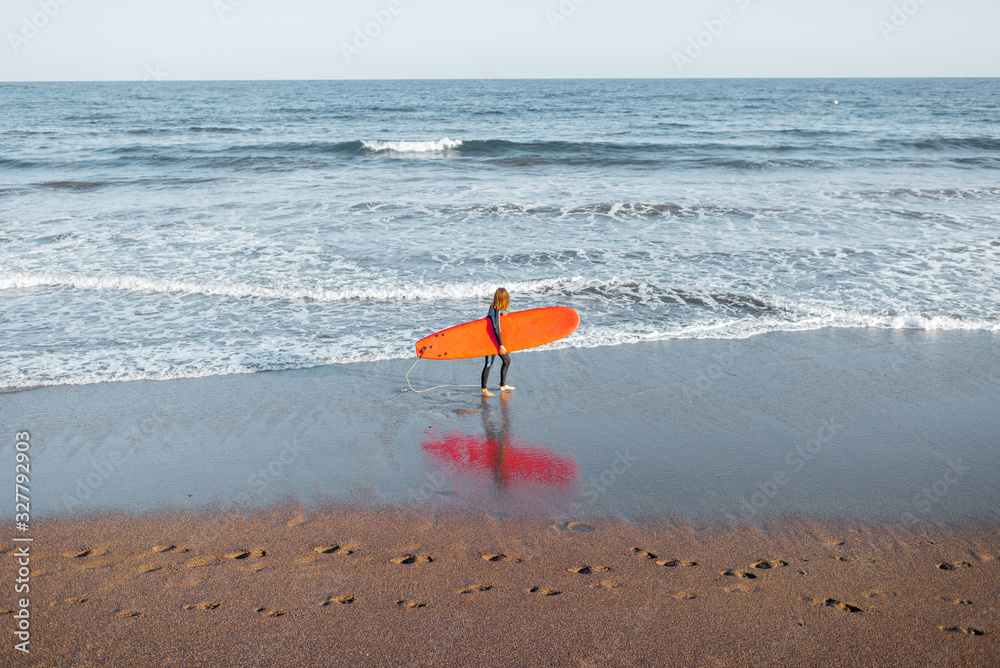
(361, 587)
(820, 498)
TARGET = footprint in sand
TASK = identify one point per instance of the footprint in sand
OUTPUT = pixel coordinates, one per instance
(149, 568)
(673, 563)
(76, 554)
(607, 584)
(343, 600)
(410, 605)
(578, 527)
(204, 605)
(74, 600)
(742, 589)
(474, 588)
(954, 566)
(989, 556)
(199, 562)
(253, 568)
(501, 557)
(685, 596)
(127, 613)
(296, 521)
(244, 554)
(264, 612)
(730, 573)
(834, 603)
(332, 549)
(544, 591)
(836, 542)
(408, 559)
(169, 548)
(587, 570)
(765, 564)
(643, 554)
(967, 630)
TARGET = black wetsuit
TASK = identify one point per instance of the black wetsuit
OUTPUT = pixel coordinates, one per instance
(494, 317)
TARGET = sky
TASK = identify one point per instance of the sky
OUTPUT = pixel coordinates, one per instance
(89, 40)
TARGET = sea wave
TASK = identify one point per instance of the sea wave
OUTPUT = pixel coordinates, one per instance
(222, 148)
(371, 291)
(73, 185)
(562, 287)
(936, 193)
(378, 146)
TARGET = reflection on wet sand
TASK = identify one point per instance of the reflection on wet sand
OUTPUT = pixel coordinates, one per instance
(506, 457)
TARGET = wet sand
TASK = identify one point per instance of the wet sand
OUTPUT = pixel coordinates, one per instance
(889, 425)
(353, 586)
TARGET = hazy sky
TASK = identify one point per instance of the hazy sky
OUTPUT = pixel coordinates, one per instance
(359, 39)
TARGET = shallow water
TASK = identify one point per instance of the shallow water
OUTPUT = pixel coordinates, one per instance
(169, 230)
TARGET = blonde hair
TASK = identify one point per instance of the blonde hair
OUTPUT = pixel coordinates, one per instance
(501, 300)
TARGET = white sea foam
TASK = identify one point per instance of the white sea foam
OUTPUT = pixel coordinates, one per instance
(367, 291)
(195, 356)
(377, 146)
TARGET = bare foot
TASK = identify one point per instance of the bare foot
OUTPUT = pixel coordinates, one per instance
(487, 393)
(506, 388)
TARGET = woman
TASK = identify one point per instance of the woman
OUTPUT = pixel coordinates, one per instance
(501, 302)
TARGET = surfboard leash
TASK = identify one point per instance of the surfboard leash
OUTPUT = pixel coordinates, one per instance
(429, 388)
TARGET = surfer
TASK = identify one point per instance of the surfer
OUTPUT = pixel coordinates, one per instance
(501, 302)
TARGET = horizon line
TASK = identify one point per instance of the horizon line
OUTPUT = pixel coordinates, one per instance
(721, 78)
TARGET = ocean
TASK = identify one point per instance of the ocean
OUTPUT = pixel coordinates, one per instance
(163, 230)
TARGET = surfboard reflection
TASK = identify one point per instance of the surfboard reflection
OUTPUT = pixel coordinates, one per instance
(499, 453)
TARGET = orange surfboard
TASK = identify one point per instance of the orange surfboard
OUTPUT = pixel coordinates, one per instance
(520, 330)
